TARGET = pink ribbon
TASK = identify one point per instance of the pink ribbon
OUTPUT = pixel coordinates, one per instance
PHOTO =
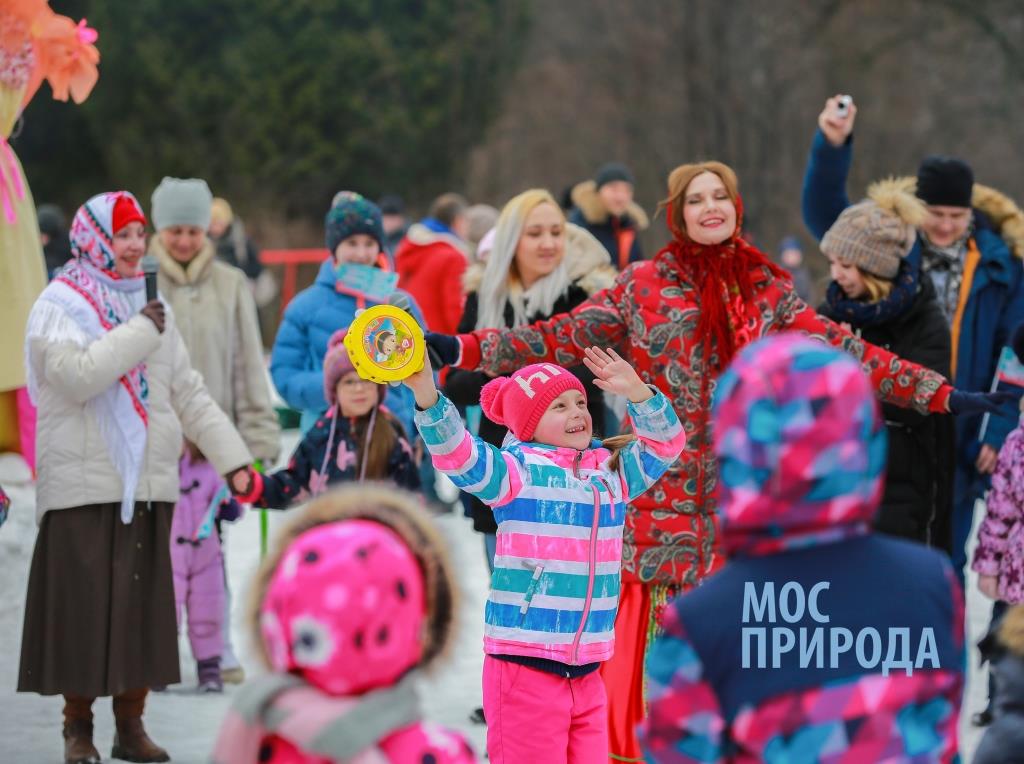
(86, 35)
(11, 187)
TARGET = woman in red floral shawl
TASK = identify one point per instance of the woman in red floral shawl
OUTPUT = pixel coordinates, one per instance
(679, 319)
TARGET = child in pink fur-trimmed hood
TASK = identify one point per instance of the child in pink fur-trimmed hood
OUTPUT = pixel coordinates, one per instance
(357, 597)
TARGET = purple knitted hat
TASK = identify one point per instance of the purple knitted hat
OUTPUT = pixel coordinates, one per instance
(337, 364)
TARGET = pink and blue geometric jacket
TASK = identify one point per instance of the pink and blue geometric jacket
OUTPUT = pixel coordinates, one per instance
(560, 512)
(812, 643)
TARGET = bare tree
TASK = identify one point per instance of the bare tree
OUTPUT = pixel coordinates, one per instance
(662, 82)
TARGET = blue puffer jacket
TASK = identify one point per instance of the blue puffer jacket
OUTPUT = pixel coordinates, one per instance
(296, 363)
(995, 305)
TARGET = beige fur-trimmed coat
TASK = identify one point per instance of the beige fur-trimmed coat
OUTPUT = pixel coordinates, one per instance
(592, 214)
(216, 314)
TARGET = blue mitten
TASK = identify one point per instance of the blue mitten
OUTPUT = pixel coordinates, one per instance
(979, 403)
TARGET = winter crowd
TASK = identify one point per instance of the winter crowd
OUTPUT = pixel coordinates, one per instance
(652, 448)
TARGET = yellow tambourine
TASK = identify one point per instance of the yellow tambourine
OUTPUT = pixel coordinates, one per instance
(385, 344)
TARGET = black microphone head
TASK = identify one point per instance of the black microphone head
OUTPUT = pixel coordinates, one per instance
(150, 266)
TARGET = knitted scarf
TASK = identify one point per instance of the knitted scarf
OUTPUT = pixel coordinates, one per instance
(722, 276)
(861, 315)
(342, 729)
(87, 299)
(945, 265)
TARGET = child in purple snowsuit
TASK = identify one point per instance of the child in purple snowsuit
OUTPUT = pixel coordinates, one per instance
(198, 565)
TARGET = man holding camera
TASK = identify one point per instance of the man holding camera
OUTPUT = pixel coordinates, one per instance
(966, 249)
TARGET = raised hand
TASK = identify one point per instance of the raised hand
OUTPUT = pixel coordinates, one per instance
(422, 385)
(836, 129)
(613, 374)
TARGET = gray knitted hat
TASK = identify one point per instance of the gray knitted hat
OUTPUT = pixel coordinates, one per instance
(877, 233)
(182, 202)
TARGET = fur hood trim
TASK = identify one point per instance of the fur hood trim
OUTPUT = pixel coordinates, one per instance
(1001, 210)
(584, 196)
(403, 513)
(474, 276)
(183, 275)
(1011, 630)
(891, 196)
(590, 265)
(422, 236)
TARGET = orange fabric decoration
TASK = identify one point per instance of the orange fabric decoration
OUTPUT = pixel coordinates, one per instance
(970, 266)
(626, 237)
(18, 16)
(65, 53)
(623, 674)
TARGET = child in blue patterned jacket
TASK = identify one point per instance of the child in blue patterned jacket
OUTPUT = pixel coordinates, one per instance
(559, 497)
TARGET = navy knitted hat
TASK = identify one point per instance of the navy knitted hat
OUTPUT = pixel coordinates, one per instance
(614, 171)
(352, 213)
(391, 204)
(790, 242)
(945, 181)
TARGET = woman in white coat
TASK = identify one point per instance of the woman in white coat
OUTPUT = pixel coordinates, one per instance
(116, 393)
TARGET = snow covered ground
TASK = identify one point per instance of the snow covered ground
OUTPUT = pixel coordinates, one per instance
(186, 723)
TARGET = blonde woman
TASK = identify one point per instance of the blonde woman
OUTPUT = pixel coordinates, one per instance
(539, 265)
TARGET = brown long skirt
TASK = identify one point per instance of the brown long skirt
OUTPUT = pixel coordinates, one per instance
(99, 615)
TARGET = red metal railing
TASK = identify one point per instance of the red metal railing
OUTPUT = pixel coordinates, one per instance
(290, 260)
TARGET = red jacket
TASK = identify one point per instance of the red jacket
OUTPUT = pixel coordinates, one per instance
(651, 314)
(430, 267)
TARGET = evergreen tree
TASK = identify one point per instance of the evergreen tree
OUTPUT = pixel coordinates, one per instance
(280, 103)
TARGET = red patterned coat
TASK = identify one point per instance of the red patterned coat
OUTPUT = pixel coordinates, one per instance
(650, 314)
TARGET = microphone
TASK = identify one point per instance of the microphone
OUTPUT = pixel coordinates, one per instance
(400, 300)
(150, 267)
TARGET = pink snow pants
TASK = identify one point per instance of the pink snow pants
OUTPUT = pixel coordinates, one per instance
(537, 717)
(199, 590)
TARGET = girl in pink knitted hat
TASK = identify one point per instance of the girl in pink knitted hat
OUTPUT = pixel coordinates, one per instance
(559, 497)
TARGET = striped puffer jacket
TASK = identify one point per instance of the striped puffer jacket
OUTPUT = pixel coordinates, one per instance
(560, 513)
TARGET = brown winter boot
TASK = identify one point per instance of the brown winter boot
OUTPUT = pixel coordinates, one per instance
(131, 743)
(78, 747)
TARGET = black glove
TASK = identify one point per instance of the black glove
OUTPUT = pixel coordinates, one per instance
(444, 349)
(979, 403)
